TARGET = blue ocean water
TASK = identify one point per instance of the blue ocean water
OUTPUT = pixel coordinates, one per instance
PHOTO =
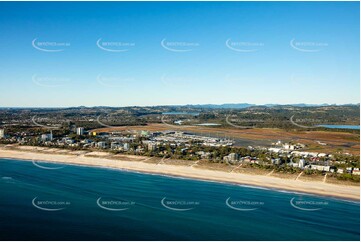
(43, 201)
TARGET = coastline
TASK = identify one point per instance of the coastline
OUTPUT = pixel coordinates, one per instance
(309, 187)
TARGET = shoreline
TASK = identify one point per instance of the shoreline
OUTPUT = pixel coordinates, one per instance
(310, 187)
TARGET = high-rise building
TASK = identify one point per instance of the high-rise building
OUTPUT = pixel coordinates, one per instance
(44, 137)
(2, 133)
(47, 137)
(80, 131)
(301, 163)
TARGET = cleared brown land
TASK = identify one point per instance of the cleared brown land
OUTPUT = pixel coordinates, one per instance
(335, 141)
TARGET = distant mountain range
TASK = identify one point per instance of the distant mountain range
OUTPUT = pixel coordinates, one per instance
(246, 105)
(206, 106)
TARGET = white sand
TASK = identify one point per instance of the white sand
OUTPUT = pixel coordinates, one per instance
(314, 187)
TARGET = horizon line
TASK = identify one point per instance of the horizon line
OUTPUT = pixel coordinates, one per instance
(180, 105)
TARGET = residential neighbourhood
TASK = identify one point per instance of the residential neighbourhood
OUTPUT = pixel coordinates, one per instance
(188, 146)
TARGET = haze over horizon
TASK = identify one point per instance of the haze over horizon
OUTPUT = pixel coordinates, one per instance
(116, 54)
(204, 104)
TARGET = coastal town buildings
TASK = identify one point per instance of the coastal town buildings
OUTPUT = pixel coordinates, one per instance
(47, 137)
(189, 146)
(80, 131)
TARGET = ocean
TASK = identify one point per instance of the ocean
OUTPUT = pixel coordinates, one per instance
(44, 201)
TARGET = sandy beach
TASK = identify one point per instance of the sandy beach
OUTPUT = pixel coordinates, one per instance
(100, 159)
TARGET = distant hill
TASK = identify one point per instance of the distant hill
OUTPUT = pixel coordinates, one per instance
(246, 105)
(226, 105)
(195, 106)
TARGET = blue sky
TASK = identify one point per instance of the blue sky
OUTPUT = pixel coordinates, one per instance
(233, 52)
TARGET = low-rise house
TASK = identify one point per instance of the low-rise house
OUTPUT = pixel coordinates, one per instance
(246, 159)
(204, 155)
(152, 146)
(139, 150)
(115, 145)
(275, 150)
(232, 157)
(276, 161)
(86, 141)
(320, 168)
(102, 145)
(349, 170)
(288, 147)
(322, 155)
(254, 160)
(69, 141)
(184, 151)
(356, 171)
